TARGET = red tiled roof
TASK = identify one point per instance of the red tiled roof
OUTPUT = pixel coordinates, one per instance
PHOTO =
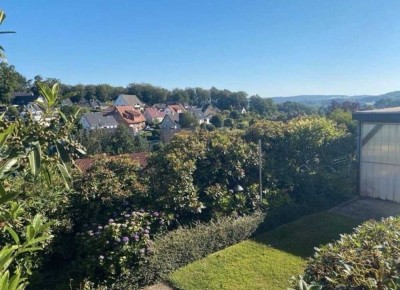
(155, 113)
(141, 157)
(123, 111)
(177, 108)
(85, 164)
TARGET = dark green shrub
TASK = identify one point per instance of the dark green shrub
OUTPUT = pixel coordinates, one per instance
(229, 122)
(210, 127)
(366, 259)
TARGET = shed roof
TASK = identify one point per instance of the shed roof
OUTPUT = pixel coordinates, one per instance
(387, 115)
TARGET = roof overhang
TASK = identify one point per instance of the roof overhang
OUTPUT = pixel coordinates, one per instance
(378, 116)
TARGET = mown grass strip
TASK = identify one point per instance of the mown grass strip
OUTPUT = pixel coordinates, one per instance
(266, 262)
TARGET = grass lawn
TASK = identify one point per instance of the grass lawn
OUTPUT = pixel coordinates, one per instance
(267, 261)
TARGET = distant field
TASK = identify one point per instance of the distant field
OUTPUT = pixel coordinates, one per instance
(266, 262)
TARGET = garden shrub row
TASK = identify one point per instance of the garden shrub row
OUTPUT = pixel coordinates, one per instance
(187, 244)
(366, 259)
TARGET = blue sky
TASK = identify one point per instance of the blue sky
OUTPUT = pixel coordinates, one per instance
(273, 48)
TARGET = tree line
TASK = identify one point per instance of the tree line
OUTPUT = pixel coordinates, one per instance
(13, 81)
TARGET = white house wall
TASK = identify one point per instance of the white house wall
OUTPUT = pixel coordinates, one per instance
(380, 162)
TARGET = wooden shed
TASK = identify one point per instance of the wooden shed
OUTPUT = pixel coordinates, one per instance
(378, 152)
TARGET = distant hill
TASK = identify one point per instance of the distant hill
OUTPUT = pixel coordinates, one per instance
(319, 100)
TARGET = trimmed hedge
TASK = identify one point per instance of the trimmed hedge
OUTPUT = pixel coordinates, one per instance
(367, 259)
(185, 245)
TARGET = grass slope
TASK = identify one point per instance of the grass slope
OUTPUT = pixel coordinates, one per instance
(266, 262)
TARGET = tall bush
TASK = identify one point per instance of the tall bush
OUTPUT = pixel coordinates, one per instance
(193, 176)
(106, 188)
(300, 155)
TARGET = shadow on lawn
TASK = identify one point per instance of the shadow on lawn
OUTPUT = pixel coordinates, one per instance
(301, 236)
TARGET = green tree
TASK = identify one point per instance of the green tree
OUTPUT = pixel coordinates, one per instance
(263, 106)
(122, 141)
(148, 93)
(292, 110)
(12, 112)
(187, 120)
(10, 81)
(343, 117)
(217, 121)
(38, 80)
(104, 92)
(234, 115)
(229, 122)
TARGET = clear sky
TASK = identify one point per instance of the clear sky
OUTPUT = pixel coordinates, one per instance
(273, 48)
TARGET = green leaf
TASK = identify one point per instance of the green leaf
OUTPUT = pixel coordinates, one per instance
(35, 158)
(50, 95)
(15, 280)
(4, 280)
(63, 153)
(6, 256)
(63, 117)
(13, 234)
(40, 239)
(30, 233)
(2, 16)
(77, 113)
(46, 175)
(65, 175)
(7, 166)
(30, 249)
(4, 135)
(37, 222)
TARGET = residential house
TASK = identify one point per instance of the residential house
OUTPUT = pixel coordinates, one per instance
(34, 110)
(153, 115)
(93, 105)
(170, 121)
(97, 120)
(169, 111)
(129, 116)
(175, 109)
(66, 102)
(210, 110)
(129, 100)
(200, 116)
(169, 127)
